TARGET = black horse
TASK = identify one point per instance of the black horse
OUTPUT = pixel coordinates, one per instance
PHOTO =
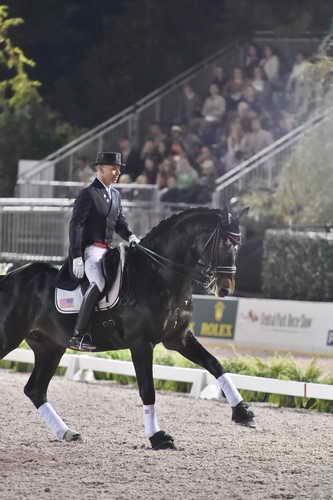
(155, 306)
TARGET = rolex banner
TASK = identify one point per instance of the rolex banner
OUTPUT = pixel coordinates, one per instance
(213, 317)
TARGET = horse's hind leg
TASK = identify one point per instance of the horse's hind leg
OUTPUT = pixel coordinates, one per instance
(190, 348)
(47, 358)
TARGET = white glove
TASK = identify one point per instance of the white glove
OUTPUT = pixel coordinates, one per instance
(78, 267)
(133, 240)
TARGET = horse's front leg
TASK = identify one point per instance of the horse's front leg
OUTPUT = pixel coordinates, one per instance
(142, 357)
(190, 348)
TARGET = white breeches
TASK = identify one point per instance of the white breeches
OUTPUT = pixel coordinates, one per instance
(93, 265)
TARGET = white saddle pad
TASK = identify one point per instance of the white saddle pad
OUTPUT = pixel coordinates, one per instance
(69, 301)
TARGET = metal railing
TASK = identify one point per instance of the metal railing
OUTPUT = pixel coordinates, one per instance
(33, 232)
(68, 189)
(37, 229)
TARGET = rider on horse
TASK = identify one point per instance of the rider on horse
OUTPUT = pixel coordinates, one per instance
(97, 213)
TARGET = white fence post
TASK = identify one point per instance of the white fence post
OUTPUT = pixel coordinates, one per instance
(73, 366)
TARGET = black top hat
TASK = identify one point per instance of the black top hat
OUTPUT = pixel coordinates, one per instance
(109, 159)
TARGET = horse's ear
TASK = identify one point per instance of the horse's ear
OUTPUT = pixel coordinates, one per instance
(244, 211)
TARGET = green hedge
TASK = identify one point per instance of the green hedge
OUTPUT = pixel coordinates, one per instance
(278, 367)
(298, 265)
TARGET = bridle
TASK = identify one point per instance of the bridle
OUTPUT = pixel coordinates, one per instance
(206, 276)
(231, 240)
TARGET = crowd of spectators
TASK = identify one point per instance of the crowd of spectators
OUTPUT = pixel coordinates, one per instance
(245, 110)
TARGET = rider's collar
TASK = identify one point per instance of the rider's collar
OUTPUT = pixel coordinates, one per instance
(108, 188)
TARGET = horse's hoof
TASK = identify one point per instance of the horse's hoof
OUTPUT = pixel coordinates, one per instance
(242, 415)
(162, 441)
(72, 436)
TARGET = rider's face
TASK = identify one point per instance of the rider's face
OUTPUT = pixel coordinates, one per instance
(109, 174)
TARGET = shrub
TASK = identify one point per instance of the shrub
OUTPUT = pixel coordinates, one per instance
(298, 265)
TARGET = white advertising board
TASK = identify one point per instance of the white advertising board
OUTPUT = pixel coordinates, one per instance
(285, 325)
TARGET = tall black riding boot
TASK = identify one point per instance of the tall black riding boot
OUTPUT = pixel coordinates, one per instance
(81, 340)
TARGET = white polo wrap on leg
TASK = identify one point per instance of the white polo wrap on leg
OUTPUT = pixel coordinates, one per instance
(229, 389)
(52, 419)
(150, 420)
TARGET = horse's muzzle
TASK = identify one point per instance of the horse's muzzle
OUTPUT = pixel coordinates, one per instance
(225, 287)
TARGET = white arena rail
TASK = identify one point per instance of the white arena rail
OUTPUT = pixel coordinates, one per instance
(199, 378)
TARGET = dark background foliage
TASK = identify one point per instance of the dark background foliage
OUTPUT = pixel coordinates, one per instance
(297, 266)
(95, 58)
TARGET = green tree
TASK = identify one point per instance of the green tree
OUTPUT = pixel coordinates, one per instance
(28, 128)
(16, 89)
(17, 93)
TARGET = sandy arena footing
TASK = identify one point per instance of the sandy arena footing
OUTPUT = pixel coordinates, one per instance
(289, 455)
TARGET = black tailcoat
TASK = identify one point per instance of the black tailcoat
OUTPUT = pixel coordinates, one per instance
(95, 217)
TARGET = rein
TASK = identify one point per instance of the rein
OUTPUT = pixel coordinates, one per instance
(179, 268)
(215, 237)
